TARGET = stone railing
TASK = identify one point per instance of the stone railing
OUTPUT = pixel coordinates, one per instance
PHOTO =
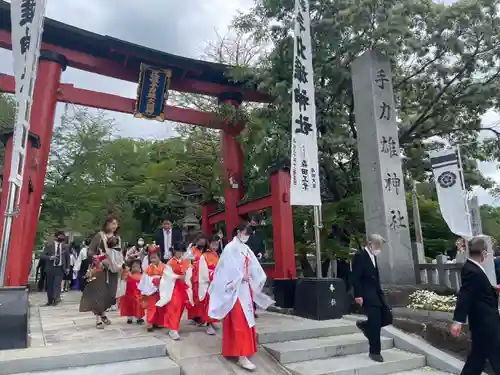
(440, 272)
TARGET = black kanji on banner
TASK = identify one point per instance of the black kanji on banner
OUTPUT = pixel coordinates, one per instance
(27, 12)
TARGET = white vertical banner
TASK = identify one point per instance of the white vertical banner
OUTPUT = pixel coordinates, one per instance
(305, 184)
(450, 191)
(27, 18)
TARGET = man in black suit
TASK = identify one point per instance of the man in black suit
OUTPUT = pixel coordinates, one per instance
(57, 262)
(166, 237)
(256, 241)
(368, 294)
(478, 301)
(40, 271)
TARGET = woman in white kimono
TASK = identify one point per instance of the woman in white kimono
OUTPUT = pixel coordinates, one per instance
(237, 284)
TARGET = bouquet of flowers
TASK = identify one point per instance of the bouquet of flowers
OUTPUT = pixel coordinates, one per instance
(95, 267)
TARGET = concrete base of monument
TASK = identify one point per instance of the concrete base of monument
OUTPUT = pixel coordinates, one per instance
(320, 299)
(14, 310)
(284, 292)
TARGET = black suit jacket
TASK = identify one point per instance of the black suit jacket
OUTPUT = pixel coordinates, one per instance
(366, 280)
(477, 301)
(160, 241)
(49, 251)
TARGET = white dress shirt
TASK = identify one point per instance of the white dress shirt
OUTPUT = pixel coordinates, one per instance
(167, 242)
(58, 253)
(478, 264)
(372, 257)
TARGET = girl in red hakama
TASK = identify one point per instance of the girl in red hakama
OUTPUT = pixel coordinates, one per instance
(207, 264)
(131, 303)
(237, 284)
(175, 290)
(150, 281)
(195, 312)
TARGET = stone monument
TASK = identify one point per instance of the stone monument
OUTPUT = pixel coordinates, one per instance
(475, 216)
(384, 200)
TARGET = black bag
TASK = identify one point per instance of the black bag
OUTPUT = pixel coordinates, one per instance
(386, 316)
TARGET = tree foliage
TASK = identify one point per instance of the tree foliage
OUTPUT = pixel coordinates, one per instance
(7, 118)
(92, 174)
(446, 75)
(445, 71)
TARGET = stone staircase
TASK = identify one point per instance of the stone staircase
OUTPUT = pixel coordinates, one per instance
(137, 356)
(338, 348)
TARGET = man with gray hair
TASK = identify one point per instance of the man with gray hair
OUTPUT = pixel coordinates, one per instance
(368, 294)
(478, 302)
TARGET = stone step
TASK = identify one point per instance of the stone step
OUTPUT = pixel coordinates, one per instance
(79, 354)
(359, 364)
(305, 329)
(152, 366)
(423, 371)
(322, 347)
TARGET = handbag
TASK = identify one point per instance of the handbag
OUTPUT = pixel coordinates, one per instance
(386, 316)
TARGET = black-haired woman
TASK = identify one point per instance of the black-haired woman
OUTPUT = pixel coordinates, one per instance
(107, 261)
(237, 283)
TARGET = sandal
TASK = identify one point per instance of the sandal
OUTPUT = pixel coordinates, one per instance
(99, 325)
(105, 320)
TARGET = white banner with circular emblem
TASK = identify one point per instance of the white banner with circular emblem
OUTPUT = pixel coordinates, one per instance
(451, 194)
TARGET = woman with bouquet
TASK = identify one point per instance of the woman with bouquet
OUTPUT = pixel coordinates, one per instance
(107, 261)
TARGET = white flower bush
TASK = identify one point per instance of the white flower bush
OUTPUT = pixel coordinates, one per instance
(428, 300)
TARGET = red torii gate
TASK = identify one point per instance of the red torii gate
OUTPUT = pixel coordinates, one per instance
(63, 46)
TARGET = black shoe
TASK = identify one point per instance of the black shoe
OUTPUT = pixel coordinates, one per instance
(150, 329)
(376, 357)
(129, 321)
(49, 304)
(140, 321)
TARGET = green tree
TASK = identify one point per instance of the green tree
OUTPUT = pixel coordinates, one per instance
(7, 118)
(445, 77)
(92, 174)
(490, 217)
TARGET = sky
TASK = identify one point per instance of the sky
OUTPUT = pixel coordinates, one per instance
(178, 27)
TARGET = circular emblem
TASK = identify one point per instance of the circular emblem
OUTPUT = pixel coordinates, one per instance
(447, 179)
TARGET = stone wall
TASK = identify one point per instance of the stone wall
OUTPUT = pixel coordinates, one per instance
(433, 327)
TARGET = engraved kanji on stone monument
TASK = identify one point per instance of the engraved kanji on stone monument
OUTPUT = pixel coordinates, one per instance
(381, 172)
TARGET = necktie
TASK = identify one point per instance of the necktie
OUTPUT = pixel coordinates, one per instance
(167, 243)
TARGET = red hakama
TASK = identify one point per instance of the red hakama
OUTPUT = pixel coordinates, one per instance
(196, 310)
(179, 300)
(238, 339)
(131, 303)
(155, 315)
(212, 259)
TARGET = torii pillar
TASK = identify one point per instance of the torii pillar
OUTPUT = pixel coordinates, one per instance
(24, 228)
(232, 161)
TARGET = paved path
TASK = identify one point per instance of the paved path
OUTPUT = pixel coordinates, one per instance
(196, 352)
